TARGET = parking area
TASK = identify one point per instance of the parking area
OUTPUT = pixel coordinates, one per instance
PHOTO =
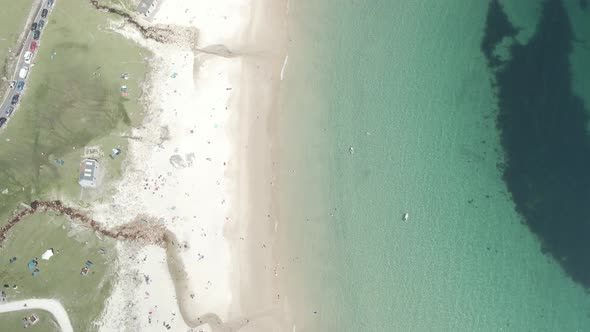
(25, 61)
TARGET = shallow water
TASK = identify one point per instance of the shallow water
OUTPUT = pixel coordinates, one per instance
(407, 86)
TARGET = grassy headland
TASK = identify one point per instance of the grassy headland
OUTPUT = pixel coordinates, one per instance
(72, 100)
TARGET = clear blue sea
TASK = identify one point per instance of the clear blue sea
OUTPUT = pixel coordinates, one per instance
(406, 86)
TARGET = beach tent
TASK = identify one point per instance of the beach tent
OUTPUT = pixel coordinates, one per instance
(47, 254)
(32, 264)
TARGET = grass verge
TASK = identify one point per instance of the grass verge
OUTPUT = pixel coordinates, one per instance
(13, 16)
(12, 321)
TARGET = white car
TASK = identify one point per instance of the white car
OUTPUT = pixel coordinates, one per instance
(28, 57)
(23, 72)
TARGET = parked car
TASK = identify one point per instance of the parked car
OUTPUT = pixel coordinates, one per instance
(34, 26)
(36, 34)
(28, 57)
(2, 121)
(49, 3)
(20, 85)
(23, 72)
(14, 99)
(33, 46)
(12, 84)
(41, 25)
(44, 13)
(9, 110)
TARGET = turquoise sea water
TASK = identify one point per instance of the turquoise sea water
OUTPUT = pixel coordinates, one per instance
(405, 84)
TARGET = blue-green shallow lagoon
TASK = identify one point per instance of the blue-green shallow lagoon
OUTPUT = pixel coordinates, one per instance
(405, 84)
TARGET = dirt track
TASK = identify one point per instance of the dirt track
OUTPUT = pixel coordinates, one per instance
(159, 34)
(139, 229)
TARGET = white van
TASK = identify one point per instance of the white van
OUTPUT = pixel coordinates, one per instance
(23, 72)
(28, 57)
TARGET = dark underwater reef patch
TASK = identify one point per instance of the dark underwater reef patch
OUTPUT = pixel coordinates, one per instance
(543, 128)
(498, 27)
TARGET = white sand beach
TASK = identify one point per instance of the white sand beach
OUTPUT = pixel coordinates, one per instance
(200, 164)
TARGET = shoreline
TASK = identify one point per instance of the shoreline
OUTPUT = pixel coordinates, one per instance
(254, 251)
(205, 107)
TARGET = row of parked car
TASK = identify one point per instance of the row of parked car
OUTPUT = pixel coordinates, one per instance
(28, 57)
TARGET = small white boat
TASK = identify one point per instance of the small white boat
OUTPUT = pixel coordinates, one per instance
(406, 216)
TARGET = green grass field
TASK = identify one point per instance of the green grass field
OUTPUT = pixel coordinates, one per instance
(59, 277)
(12, 22)
(72, 99)
(12, 321)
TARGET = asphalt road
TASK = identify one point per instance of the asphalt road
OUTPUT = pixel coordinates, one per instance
(50, 305)
(37, 8)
